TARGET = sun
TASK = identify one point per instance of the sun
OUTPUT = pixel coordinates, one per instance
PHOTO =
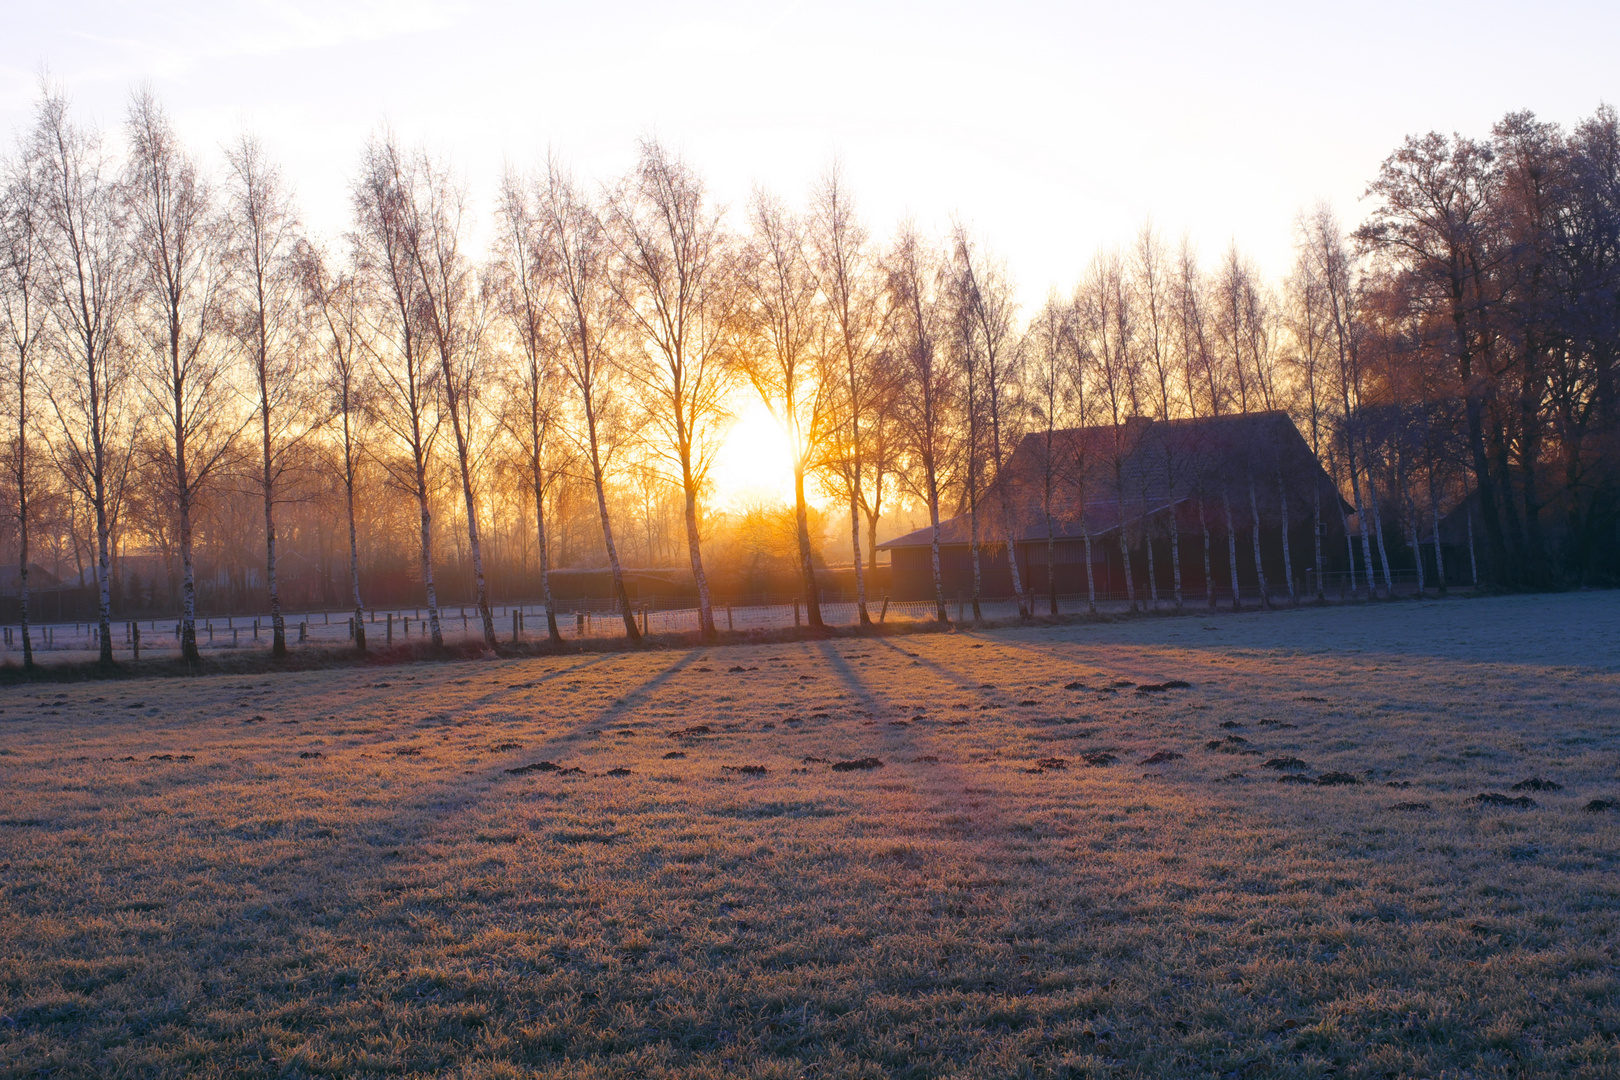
(754, 463)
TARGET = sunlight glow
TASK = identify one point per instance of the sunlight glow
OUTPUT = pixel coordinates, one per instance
(754, 464)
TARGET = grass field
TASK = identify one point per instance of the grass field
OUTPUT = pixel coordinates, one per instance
(1053, 871)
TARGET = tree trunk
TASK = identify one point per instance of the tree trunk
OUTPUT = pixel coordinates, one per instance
(1152, 575)
(427, 549)
(1012, 564)
(933, 520)
(474, 541)
(1316, 540)
(1378, 533)
(693, 547)
(631, 630)
(855, 546)
(1231, 550)
(1366, 539)
(1125, 550)
(1175, 554)
(973, 549)
(278, 628)
(22, 528)
(1051, 562)
(552, 633)
(1287, 546)
(1259, 563)
(1473, 561)
(354, 543)
(807, 566)
(1209, 570)
(1439, 559)
(1091, 576)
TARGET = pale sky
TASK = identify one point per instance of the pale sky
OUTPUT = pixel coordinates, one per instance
(1051, 129)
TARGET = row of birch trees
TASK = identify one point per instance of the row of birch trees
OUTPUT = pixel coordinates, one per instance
(172, 332)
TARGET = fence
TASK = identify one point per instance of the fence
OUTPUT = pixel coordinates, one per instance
(602, 619)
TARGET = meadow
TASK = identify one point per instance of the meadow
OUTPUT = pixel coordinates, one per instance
(1375, 841)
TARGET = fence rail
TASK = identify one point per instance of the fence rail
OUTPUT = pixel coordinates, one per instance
(596, 619)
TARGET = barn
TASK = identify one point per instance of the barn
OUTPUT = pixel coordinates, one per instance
(1148, 496)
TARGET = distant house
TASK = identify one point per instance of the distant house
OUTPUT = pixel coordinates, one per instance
(38, 578)
(1155, 483)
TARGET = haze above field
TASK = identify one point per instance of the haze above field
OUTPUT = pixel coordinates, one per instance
(1052, 129)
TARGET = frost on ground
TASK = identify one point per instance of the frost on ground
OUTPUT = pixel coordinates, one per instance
(1006, 853)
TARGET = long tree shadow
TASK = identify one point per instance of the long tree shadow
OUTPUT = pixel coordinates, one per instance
(949, 781)
(938, 669)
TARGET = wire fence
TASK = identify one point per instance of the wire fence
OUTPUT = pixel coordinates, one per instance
(602, 619)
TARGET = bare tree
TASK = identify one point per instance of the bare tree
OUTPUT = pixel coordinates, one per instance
(179, 241)
(1050, 391)
(928, 388)
(852, 299)
(408, 377)
(573, 244)
(334, 300)
(1309, 362)
(986, 313)
(1110, 323)
(674, 289)
(266, 325)
(87, 290)
(431, 209)
(534, 404)
(780, 358)
(22, 318)
(1333, 267)
(1155, 300)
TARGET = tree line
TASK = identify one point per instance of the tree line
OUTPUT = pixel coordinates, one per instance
(189, 369)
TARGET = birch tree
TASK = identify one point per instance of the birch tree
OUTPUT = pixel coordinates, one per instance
(87, 290)
(335, 302)
(780, 357)
(534, 401)
(927, 386)
(22, 322)
(1049, 393)
(986, 314)
(674, 291)
(851, 297)
(432, 209)
(266, 326)
(396, 345)
(573, 244)
(179, 241)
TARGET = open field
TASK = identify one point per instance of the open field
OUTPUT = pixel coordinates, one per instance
(1052, 872)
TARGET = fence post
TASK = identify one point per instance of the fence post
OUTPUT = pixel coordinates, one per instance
(514, 627)
(643, 622)
(729, 624)
(579, 622)
(135, 639)
(390, 628)
(885, 612)
(795, 611)
(303, 631)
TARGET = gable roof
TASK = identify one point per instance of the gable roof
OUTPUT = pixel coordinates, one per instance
(1106, 473)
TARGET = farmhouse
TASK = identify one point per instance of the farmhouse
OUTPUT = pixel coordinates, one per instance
(1148, 495)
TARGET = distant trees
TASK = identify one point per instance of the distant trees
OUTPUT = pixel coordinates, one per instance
(203, 406)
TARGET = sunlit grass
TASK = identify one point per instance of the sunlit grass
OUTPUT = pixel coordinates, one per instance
(334, 873)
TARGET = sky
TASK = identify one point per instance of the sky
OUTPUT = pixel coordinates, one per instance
(1050, 130)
